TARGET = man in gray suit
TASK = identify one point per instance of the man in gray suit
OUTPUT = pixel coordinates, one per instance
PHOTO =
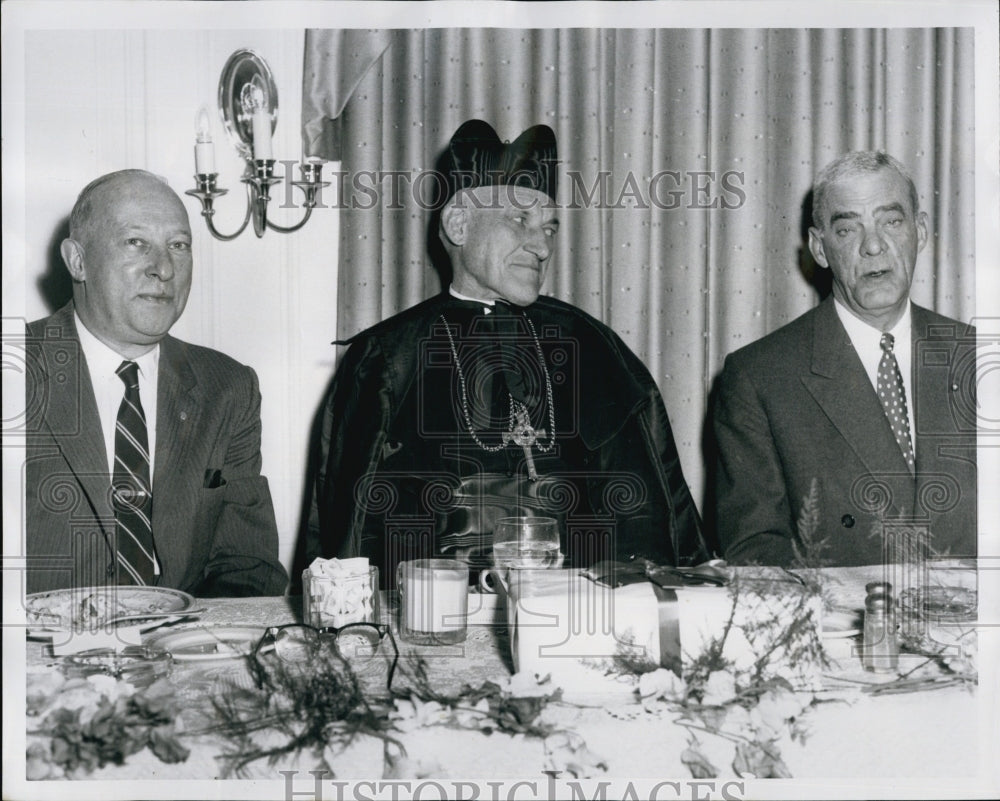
(865, 405)
(143, 452)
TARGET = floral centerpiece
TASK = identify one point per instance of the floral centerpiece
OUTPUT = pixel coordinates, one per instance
(78, 725)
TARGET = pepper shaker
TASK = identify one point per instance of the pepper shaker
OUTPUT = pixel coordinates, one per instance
(880, 650)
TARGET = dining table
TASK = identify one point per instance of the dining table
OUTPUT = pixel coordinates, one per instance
(846, 735)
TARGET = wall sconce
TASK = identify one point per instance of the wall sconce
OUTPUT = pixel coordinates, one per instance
(248, 102)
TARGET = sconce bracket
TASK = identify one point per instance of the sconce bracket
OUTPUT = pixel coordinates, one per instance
(244, 68)
(246, 88)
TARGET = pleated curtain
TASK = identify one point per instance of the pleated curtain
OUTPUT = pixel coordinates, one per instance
(686, 158)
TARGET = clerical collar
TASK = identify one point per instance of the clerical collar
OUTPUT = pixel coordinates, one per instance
(487, 304)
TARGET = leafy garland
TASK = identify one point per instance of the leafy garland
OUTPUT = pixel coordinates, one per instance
(759, 706)
(323, 706)
(318, 705)
(493, 707)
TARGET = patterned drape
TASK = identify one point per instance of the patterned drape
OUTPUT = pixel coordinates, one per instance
(686, 160)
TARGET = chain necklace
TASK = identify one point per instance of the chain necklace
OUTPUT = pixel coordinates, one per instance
(519, 430)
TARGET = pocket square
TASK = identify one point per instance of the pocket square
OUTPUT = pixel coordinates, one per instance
(213, 479)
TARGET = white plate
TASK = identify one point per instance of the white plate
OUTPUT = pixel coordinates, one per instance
(842, 622)
(940, 603)
(91, 607)
(208, 644)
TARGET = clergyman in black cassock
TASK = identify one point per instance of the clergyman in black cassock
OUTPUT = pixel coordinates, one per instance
(492, 400)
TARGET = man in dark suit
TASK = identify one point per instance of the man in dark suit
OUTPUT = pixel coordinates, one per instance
(143, 452)
(830, 431)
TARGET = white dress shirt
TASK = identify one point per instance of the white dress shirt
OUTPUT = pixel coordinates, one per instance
(109, 389)
(867, 341)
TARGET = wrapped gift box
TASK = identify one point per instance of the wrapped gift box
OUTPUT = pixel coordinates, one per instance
(581, 633)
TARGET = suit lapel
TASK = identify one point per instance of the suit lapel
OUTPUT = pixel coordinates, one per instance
(178, 407)
(939, 366)
(841, 387)
(71, 414)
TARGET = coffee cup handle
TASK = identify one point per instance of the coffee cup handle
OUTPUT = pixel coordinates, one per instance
(499, 581)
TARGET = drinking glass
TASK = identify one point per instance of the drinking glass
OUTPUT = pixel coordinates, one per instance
(433, 601)
(522, 543)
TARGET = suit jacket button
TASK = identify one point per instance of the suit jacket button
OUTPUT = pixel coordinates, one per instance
(111, 569)
(847, 521)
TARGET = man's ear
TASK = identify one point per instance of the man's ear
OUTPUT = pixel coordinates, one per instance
(455, 223)
(72, 255)
(816, 247)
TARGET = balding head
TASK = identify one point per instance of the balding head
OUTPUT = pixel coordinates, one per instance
(95, 195)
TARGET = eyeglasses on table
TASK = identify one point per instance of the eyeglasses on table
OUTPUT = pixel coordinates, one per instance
(359, 645)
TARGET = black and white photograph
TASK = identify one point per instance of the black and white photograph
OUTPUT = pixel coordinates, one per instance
(501, 400)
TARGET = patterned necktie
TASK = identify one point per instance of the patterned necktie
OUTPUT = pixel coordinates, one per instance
(890, 392)
(132, 495)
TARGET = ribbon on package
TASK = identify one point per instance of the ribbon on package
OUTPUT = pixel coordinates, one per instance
(665, 582)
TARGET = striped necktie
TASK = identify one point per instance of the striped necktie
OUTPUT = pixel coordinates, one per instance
(132, 494)
(893, 397)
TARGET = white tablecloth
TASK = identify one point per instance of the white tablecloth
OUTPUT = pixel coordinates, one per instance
(933, 735)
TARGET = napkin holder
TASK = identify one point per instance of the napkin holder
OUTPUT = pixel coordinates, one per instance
(341, 596)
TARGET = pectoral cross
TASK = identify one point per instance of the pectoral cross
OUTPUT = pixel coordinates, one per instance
(521, 433)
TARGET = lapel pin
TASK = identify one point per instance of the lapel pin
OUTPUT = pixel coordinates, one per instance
(184, 415)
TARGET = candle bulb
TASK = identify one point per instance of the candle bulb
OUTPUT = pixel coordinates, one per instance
(261, 134)
(261, 122)
(204, 149)
(311, 168)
